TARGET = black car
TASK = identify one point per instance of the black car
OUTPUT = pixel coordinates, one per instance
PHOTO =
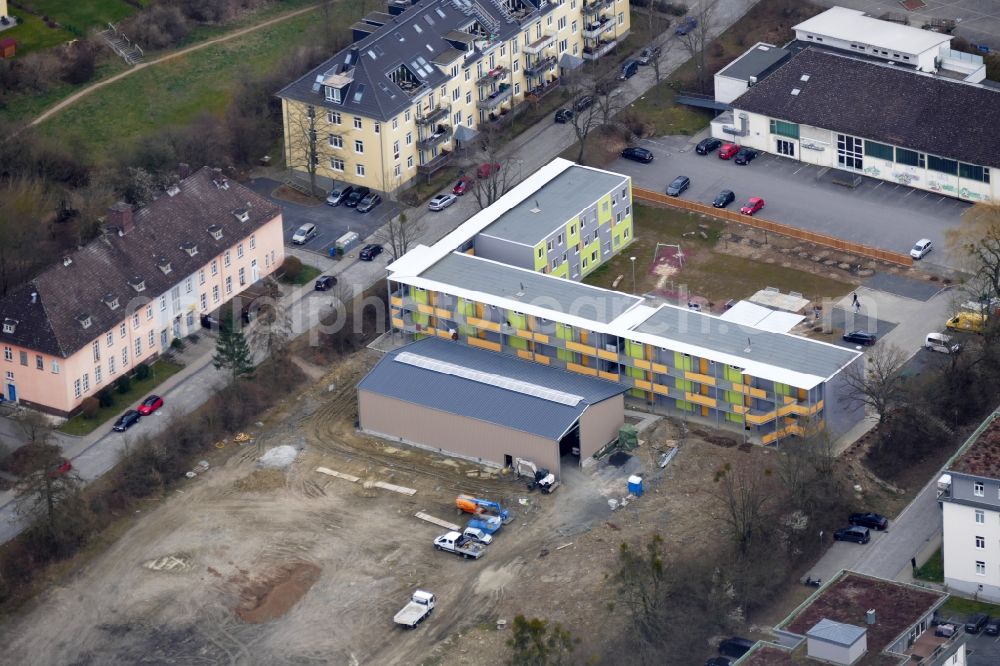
(745, 156)
(860, 337)
(875, 521)
(706, 146)
(992, 627)
(735, 647)
(126, 421)
(725, 198)
(325, 282)
(369, 252)
(975, 623)
(584, 102)
(355, 197)
(719, 661)
(638, 154)
(369, 202)
(686, 26)
(678, 185)
(649, 54)
(564, 116)
(854, 533)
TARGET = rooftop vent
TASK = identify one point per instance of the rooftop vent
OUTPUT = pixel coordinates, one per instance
(67, 261)
(241, 214)
(795, 91)
(536, 209)
(111, 301)
(9, 325)
(84, 319)
(216, 231)
(34, 297)
(173, 191)
(137, 283)
(870, 616)
(190, 248)
(804, 78)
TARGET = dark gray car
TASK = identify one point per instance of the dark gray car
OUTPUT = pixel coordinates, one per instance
(679, 184)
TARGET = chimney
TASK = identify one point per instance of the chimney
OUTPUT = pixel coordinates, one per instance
(34, 297)
(870, 617)
(183, 170)
(120, 215)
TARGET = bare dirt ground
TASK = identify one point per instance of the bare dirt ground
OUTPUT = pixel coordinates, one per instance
(250, 566)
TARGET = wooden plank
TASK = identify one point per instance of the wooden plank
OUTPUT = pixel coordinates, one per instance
(339, 475)
(437, 521)
(394, 488)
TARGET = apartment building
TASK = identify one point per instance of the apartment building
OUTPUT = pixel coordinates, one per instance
(760, 382)
(122, 299)
(567, 227)
(969, 493)
(424, 78)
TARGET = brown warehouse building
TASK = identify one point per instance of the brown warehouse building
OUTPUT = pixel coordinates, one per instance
(488, 407)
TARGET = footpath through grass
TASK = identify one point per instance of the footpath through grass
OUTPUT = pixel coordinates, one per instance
(159, 372)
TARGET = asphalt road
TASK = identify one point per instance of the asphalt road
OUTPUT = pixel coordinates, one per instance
(876, 213)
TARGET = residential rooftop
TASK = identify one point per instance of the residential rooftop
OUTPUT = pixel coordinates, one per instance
(981, 457)
(883, 103)
(550, 207)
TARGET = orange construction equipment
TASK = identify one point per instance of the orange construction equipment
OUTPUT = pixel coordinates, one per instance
(468, 504)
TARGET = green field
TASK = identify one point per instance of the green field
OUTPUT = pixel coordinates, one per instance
(32, 34)
(79, 16)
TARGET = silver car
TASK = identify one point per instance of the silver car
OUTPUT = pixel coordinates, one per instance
(442, 201)
(304, 234)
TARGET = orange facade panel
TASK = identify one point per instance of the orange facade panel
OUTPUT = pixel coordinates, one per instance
(526, 355)
(483, 323)
(441, 312)
(583, 370)
(542, 358)
(699, 399)
(484, 344)
(700, 378)
(659, 367)
(661, 389)
(607, 355)
(639, 363)
(644, 385)
(540, 337)
(610, 376)
(397, 301)
(426, 309)
(582, 349)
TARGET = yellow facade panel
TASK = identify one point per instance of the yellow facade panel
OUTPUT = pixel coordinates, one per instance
(699, 399)
(607, 355)
(397, 301)
(526, 355)
(661, 389)
(660, 368)
(539, 337)
(583, 349)
(426, 309)
(397, 322)
(583, 370)
(483, 323)
(700, 378)
(441, 312)
(610, 376)
(542, 358)
(639, 363)
(644, 385)
(485, 344)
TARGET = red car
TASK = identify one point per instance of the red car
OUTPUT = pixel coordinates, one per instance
(728, 151)
(485, 170)
(752, 206)
(462, 186)
(150, 405)
(59, 469)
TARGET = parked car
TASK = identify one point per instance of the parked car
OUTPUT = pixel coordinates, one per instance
(735, 647)
(753, 205)
(629, 69)
(854, 533)
(678, 185)
(150, 405)
(325, 283)
(648, 54)
(860, 337)
(60, 468)
(705, 146)
(583, 103)
(728, 151)
(719, 661)
(462, 186)
(369, 202)
(992, 627)
(724, 198)
(922, 247)
(940, 342)
(686, 26)
(369, 252)
(637, 154)
(485, 169)
(338, 196)
(875, 521)
(442, 201)
(745, 156)
(970, 322)
(355, 197)
(126, 421)
(563, 116)
(304, 234)
(975, 623)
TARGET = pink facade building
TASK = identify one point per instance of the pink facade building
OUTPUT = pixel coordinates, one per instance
(123, 298)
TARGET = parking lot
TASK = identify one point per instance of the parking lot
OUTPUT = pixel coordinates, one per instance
(982, 650)
(877, 213)
(331, 222)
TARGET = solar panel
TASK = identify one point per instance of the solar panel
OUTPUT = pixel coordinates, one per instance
(500, 381)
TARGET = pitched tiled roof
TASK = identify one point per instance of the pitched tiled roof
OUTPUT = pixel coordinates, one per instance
(100, 272)
(916, 111)
(416, 38)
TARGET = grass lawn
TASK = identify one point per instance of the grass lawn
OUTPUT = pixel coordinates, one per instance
(661, 116)
(715, 276)
(933, 569)
(161, 370)
(32, 34)
(305, 276)
(79, 16)
(957, 607)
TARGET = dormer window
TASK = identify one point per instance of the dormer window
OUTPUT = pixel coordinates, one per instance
(190, 248)
(334, 95)
(242, 215)
(221, 182)
(67, 261)
(111, 301)
(9, 325)
(164, 265)
(84, 320)
(138, 284)
(216, 231)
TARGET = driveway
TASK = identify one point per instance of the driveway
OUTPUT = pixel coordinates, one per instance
(877, 213)
(331, 222)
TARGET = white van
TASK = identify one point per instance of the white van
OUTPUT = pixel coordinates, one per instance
(940, 342)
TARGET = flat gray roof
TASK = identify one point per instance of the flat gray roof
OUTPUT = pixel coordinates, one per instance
(755, 62)
(517, 284)
(781, 350)
(559, 199)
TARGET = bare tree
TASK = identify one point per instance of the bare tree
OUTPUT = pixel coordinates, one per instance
(877, 382)
(49, 495)
(697, 39)
(303, 150)
(745, 498)
(399, 234)
(499, 176)
(610, 102)
(641, 580)
(658, 60)
(24, 208)
(976, 245)
(37, 429)
(586, 119)
(272, 328)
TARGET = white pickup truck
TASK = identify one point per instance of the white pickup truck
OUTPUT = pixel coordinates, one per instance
(456, 542)
(420, 606)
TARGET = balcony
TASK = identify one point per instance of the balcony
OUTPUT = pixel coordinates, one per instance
(595, 52)
(495, 74)
(540, 67)
(597, 28)
(441, 134)
(434, 115)
(590, 8)
(538, 92)
(439, 162)
(503, 93)
(537, 47)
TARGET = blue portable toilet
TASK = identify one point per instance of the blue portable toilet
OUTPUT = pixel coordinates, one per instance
(635, 485)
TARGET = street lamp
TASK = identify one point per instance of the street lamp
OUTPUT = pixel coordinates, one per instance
(632, 259)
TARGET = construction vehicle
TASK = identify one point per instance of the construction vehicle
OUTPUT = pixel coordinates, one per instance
(416, 611)
(480, 507)
(457, 543)
(537, 478)
(485, 523)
